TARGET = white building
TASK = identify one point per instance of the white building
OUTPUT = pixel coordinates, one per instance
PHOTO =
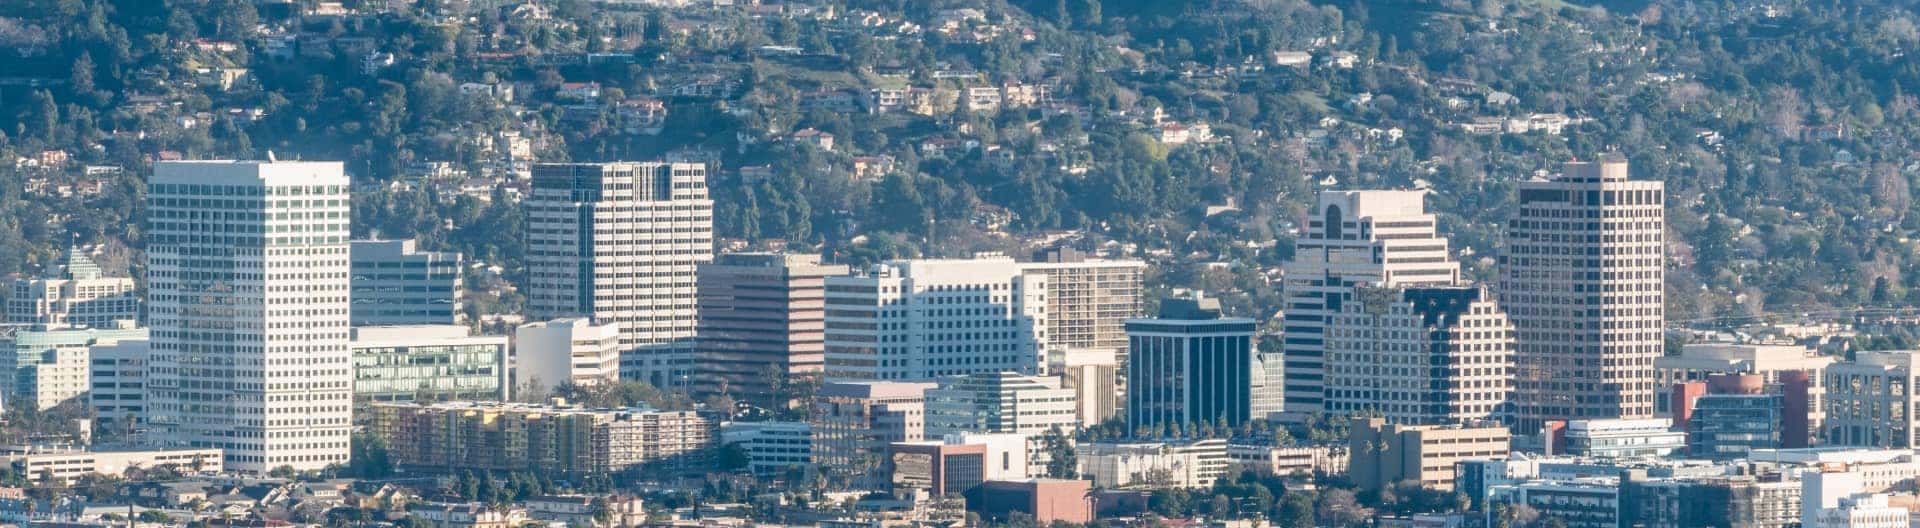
(1000, 402)
(1285, 461)
(1427, 355)
(80, 296)
(394, 283)
(66, 466)
(922, 319)
(1859, 511)
(1652, 437)
(1583, 278)
(51, 366)
(771, 447)
(432, 362)
(1374, 238)
(1195, 464)
(619, 243)
(1092, 375)
(548, 354)
(119, 380)
(1870, 400)
(247, 281)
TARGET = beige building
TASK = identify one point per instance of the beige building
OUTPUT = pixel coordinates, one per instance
(762, 323)
(1354, 238)
(1284, 461)
(576, 351)
(560, 440)
(619, 243)
(1093, 375)
(1870, 401)
(1699, 360)
(1089, 300)
(1420, 355)
(1583, 278)
(1384, 454)
(854, 422)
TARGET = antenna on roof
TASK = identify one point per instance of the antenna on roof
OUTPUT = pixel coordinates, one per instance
(270, 158)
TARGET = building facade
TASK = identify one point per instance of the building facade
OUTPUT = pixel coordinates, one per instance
(394, 283)
(248, 297)
(1000, 402)
(1870, 400)
(561, 441)
(771, 447)
(762, 324)
(1153, 465)
(1376, 238)
(1188, 367)
(565, 351)
(80, 295)
(1383, 454)
(119, 381)
(1094, 377)
(853, 422)
(1583, 278)
(620, 243)
(427, 363)
(1420, 355)
(50, 367)
(922, 319)
(1089, 300)
(1698, 361)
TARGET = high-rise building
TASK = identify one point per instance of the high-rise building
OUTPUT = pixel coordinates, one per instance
(51, 366)
(558, 440)
(619, 243)
(1189, 367)
(247, 282)
(395, 283)
(853, 422)
(762, 323)
(427, 362)
(565, 351)
(79, 296)
(922, 319)
(1089, 300)
(1354, 238)
(1000, 402)
(1583, 278)
(1420, 355)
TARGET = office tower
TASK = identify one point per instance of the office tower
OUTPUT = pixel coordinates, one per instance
(555, 441)
(853, 422)
(565, 351)
(394, 283)
(248, 304)
(619, 243)
(1089, 300)
(50, 366)
(762, 324)
(1582, 277)
(119, 385)
(921, 319)
(1188, 368)
(427, 362)
(1000, 402)
(1870, 401)
(1376, 238)
(78, 296)
(1094, 377)
(1420, 355)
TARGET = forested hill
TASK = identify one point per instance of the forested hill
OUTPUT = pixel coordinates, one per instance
(1193, 134)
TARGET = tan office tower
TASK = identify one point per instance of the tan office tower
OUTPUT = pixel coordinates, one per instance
(1089, 299)
(247, 266)
(1582, 277)
(619, 242)
(1430, 355)
(762, 324)
(1354, 238)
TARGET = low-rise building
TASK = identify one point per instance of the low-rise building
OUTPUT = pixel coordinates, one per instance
(1046, 501)
(1189, 464)
(1620, 438)
(771, 447)
(580, 510)
(427, 362)
(566, 351)
(1385, 454)
(66, 466)
(467, 515)
(560, 440)
(1283, 461)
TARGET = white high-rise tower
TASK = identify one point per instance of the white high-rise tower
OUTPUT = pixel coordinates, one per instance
(247, 277)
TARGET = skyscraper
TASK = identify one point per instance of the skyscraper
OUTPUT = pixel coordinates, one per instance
(619, 243)
(248, 295)
(1375, 238)
(762, 323)
(1583, 278)
(1427, 355)
(922, 319)
(79, 296)
(394, 283)
(1188, 367)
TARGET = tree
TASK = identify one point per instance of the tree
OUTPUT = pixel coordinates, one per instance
(1062, 461)
(1297, 511)
(370, 458)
